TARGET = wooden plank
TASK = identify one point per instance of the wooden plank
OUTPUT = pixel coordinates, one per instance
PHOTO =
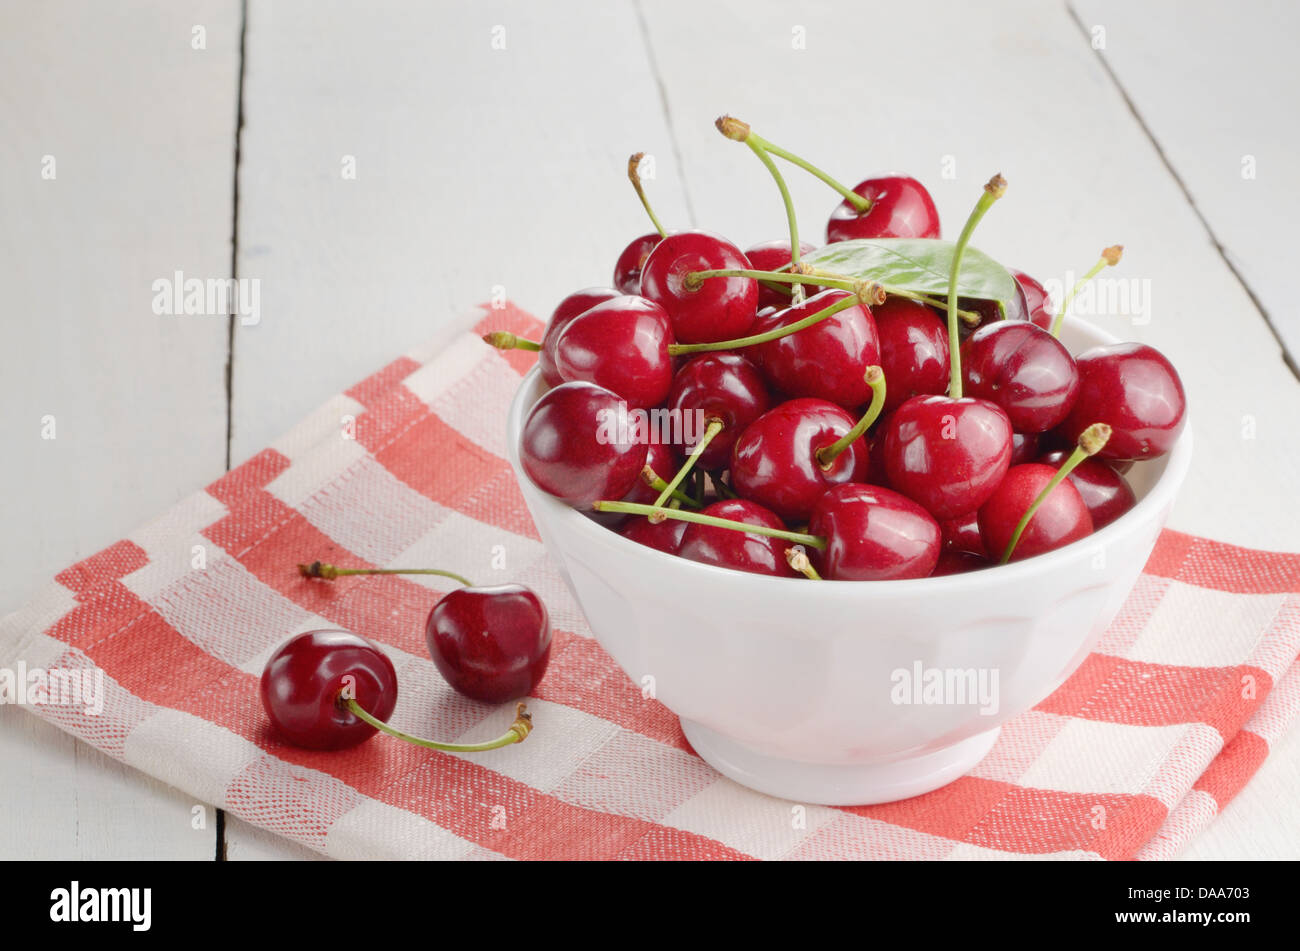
(478, 170)
(1217, 93)
(138, 128)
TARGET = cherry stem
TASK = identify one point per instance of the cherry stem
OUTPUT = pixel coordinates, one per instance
(634, 176)
(724, 491)
(504, 340)
(517, 733)
(873, 292)
(797, 559)
(971, 318)
(995, 189)
(766, 159)
(1091, 440)
(714, 427)
(319, 569)
(1109, 257)
(654, 481)
(875, 377)
(740, 131)
(635, 508)
(694, 279)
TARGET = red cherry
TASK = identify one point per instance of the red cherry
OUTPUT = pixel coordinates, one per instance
(900, 208)
(1022, 368)
(775, 256)
(665, 536)
(1106, 493)
(774, 462)
(622, 345)
(1134, 389)
(302, 681)
(729, 548)
(1036, 300)
(712, 310)
(577, 444)
(1024, 447)
(958, 563)
(913, 350)
(627, 270)
(948, 455)
(963, 535)
(826, 360)
(1062, 518)
(579, 302)
(872, 534)
(490, 643)
(723, 386)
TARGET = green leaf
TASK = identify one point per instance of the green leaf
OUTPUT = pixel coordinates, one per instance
(922, 265)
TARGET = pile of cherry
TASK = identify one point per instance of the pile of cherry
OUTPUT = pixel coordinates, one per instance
(851, 428)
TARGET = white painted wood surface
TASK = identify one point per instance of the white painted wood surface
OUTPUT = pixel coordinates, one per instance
(141, 130)
(478, 168)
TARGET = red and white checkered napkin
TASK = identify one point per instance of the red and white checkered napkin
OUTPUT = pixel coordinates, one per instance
(1131, 757)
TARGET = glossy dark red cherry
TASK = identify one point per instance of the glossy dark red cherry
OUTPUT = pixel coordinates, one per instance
(1036, 300)
(302, 681)
(1025, 447)
(1136, 390)
(958, 563)
(963, 534)
(775, 256)
(712, 310)
(913, 350)
(622, 345)
(1062, 518)
(948, 455)
(774, 462)
(579, 302)
(827, 360)
(730, 548)
(579, 445)
(628, 267)
(665, 536)
(490, 643)
(872, 534)
(1022, 368)
(723, 386)
(1106, 493)
(900, 208)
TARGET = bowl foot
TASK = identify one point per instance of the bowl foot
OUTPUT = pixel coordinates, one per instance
(835, 784)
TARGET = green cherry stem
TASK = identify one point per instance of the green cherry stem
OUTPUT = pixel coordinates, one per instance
(867, 294)
(504, 340)
(739, 131)
(790, 218)
(1109, 257)
(656, 482)
(694, 279)
(634, 176)
(875, 378)
(995, 189)
(714, 427)
(1091, 441)
(635, 508)
(319, 569)
(517, 733)
(797, 559)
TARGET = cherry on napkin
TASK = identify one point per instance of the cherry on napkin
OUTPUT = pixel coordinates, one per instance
(1158, 729)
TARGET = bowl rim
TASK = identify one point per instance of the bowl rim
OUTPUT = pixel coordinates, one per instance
(1161, 493)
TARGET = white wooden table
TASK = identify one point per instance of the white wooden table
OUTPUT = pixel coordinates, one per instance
(488, 143)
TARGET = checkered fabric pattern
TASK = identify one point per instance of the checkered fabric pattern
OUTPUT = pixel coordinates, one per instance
(1131, 757)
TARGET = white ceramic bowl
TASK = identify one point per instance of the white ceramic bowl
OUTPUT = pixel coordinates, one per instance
(806, 690)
